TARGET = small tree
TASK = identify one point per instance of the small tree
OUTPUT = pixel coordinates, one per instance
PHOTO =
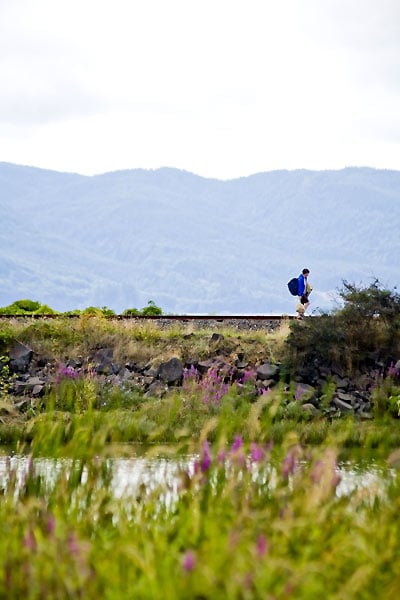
(372, 301)
(151, 309)
(131, 312)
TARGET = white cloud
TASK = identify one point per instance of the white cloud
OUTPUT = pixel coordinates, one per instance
(222, 88)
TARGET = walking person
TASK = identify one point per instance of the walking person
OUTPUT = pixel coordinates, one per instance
(303, 291)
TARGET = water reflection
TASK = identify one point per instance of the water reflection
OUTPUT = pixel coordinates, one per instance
(371, 480)
(130, 474)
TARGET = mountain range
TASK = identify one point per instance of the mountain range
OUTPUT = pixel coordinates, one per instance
(191, 244)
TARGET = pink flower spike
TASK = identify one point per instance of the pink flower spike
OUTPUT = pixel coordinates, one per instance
(257, 453)
(189, 561)
(262, 546)
(221, 457)
(30, 541)
(206, 458)
(51, 524)
(237, 443)
(289, 464)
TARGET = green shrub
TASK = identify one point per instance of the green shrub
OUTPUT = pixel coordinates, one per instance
(108, 312)
(20, 307)
(45, 309)
(365, 331)
(131, 312)
(4, 378)
(7, 334)
(92, 310)
(12, 309)
(27, 305)
(151, 309)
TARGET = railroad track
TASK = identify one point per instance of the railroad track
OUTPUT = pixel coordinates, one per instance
(190, 322)
(163, 317)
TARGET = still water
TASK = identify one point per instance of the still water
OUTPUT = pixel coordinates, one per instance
(131, 473)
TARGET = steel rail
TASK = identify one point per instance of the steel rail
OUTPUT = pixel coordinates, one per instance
(162, 317)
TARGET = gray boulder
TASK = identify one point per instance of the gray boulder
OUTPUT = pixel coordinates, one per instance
(20, 358)
(103, 362)
(171, 371)
(267, 371)
(342, 405)
(157, 389)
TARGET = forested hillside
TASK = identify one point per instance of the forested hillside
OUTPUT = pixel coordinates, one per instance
(192, 244)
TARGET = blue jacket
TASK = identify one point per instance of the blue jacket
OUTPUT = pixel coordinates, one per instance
(302, 285)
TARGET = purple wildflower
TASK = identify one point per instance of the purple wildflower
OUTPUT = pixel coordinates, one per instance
(65, 372)
(191, 373)
(257, 453)
(262, 546)
(206, 458)
(212, 387)
(30, 541)
(189, 561)
(249, 375)
(317, 471)
(237, 453)
(237, 443)
(392, 371)
(290, 463)
(51, 524)
(221, 457)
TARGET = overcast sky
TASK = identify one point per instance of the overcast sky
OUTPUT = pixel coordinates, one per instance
(221, 88)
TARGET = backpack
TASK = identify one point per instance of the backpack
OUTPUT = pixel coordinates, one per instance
(293, 286)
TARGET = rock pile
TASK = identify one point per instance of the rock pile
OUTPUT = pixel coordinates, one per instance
(31, 376)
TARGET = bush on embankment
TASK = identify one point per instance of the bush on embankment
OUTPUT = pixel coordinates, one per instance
(34, 308)
(363, 334)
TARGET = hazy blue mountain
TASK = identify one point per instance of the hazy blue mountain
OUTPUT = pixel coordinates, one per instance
(193, 244)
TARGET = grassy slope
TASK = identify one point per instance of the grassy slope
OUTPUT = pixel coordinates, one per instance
(179, 417)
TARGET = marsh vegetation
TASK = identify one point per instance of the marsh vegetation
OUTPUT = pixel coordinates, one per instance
(255, 507)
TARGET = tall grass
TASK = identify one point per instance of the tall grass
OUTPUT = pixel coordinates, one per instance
(258, 515)
(127, 415)
(250, 519)
(134, 340)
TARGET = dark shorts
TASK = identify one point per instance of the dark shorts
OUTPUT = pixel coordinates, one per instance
(304, 299)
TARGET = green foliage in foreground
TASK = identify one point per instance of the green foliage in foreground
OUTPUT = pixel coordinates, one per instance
(246, 520)
(255, 513)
